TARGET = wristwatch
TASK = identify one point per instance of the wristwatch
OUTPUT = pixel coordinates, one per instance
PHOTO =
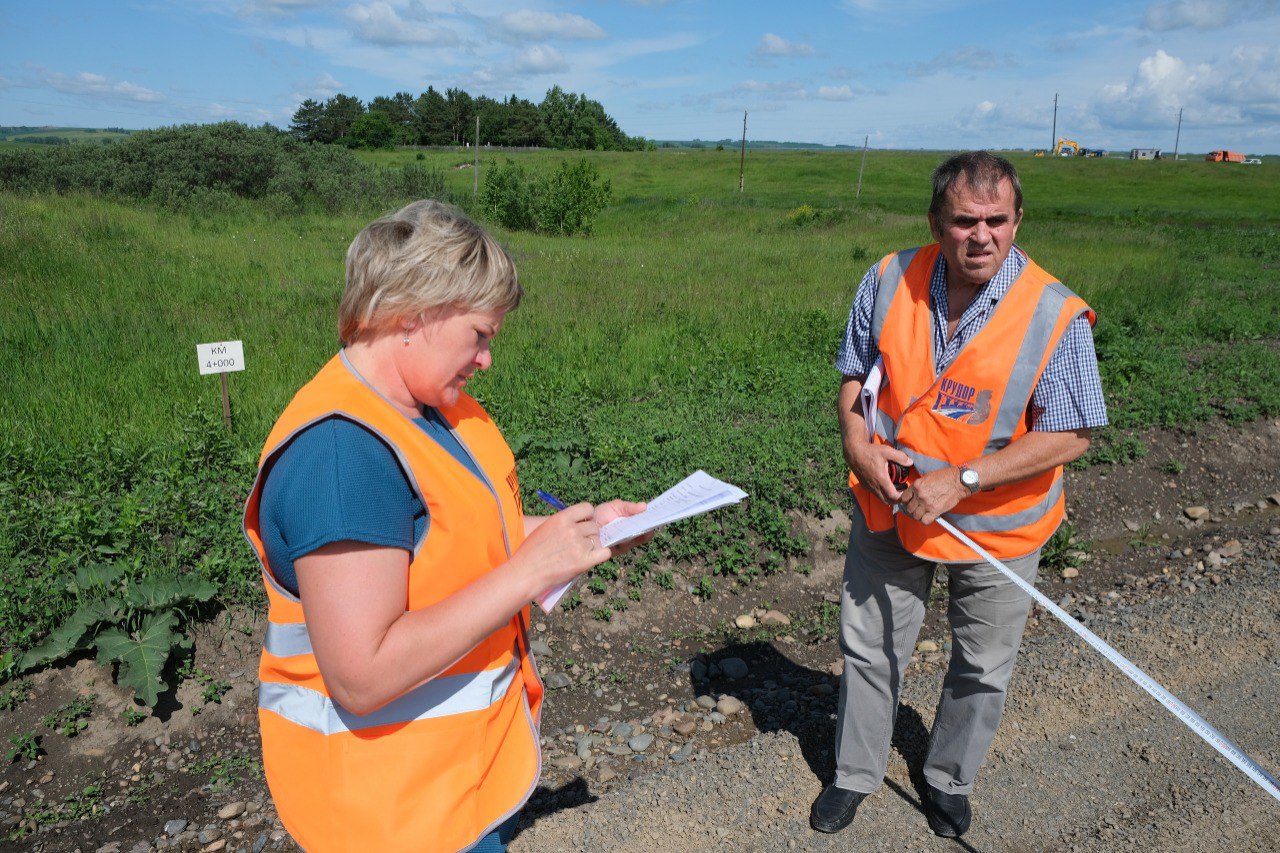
(969, 479)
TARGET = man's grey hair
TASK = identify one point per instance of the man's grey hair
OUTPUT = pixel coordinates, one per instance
(979, 170)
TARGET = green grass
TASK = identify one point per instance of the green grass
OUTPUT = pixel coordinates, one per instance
(74, 135)
(697, 328)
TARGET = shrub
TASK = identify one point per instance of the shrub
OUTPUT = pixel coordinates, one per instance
(571, 199)
(565, 203)
(207, 168)
(507, 196)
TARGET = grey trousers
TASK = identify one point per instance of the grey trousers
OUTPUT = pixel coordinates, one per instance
(882, 607)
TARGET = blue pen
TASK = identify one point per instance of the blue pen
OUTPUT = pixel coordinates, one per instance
(551, 499)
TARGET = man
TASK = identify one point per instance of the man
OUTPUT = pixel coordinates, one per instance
(989, 385)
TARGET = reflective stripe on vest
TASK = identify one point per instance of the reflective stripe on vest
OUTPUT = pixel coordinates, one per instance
(442, 696)
(287, 640)
(890, 278)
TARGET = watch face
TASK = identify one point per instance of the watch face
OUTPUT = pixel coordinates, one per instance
(969, 478)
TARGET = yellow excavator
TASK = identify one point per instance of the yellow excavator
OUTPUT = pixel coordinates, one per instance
(1066, 148)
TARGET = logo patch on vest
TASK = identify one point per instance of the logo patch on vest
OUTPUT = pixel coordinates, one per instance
(513, 483)
(962, 402)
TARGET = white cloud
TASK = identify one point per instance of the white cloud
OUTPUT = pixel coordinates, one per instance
(1160, 85)
(963, 58)
(378, 23)
(95, 85)
(1205, 14)
(774, 45)
(995, 120)
(321, 89)
(279, 8)
(781, 87)
(1241, 92)
(834, 93)
(538, 26)
(540, 59)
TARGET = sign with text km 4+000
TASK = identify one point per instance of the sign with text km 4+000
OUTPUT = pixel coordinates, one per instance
(223, 357)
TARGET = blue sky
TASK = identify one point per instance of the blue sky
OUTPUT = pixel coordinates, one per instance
(906, 73)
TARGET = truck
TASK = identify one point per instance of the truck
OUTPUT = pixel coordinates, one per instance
(1224, 157)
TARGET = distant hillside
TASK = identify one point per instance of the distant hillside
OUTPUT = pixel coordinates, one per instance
(62, 135)
(753, 144)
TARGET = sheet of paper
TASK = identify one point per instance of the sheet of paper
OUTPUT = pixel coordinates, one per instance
(694, 495)
(871, 396)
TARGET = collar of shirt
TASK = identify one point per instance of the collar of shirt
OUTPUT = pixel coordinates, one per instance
(979, 310)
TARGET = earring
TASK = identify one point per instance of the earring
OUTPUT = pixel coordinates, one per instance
(406, 335)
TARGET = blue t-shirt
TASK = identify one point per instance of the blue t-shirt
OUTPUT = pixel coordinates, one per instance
(337, 481)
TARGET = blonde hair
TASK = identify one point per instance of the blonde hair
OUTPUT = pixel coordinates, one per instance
(427, 255)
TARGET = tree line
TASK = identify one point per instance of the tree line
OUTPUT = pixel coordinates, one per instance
(562, 120)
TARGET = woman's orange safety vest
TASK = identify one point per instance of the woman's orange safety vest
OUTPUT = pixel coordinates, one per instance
(977, 406)
(445, 763)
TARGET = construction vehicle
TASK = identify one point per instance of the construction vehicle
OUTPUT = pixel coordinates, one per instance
(1224, 157)
(1093, 152)
(1065, 148)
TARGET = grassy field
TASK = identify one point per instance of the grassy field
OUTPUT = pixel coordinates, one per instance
(74, 135)
(697, 328)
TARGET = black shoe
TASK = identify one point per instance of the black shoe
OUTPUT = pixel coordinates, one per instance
(834, 808)
(949, 814)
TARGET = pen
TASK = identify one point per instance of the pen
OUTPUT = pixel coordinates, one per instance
(551, 499)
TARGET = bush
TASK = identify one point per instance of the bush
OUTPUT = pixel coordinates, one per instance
(207, 168)
(571, 199)
(566, 202)
(508, 197)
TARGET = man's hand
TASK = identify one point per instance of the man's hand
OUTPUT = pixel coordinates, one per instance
(870, 464)
(933, 494)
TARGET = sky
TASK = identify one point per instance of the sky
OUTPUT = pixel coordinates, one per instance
(901, 74)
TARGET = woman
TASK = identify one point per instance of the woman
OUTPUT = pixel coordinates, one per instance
(399, 703)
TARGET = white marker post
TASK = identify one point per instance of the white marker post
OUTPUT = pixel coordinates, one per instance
(221, 358)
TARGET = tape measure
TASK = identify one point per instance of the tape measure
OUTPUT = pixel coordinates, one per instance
(1193, 721)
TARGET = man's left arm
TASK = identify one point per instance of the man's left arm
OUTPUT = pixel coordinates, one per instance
(1065, 407)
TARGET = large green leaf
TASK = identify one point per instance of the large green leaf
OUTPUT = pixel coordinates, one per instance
(159, 593)
(143, 654)
(94, 579)
(73, 634)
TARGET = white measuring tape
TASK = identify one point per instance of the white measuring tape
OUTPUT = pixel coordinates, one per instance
(1194, 721)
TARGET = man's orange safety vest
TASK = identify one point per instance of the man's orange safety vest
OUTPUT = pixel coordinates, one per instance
(443, 764)
(975, 407)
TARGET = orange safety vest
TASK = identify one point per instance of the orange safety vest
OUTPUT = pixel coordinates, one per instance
(445, 763)
(977, 406)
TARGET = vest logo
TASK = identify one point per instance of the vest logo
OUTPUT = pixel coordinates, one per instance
(962, 402)
(513, 483)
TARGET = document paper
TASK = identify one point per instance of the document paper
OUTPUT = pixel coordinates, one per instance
(871, 396)
(694, 495)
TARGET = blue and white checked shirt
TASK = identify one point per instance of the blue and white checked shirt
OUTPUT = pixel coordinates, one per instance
(1069, 393)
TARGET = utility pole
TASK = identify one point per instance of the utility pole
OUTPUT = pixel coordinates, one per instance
(1178, 137)
(865, 140)
(1053, 142)
(742, 162)
(475, 166)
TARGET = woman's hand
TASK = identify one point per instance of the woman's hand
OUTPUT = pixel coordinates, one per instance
(615, 509)
(562, 547)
